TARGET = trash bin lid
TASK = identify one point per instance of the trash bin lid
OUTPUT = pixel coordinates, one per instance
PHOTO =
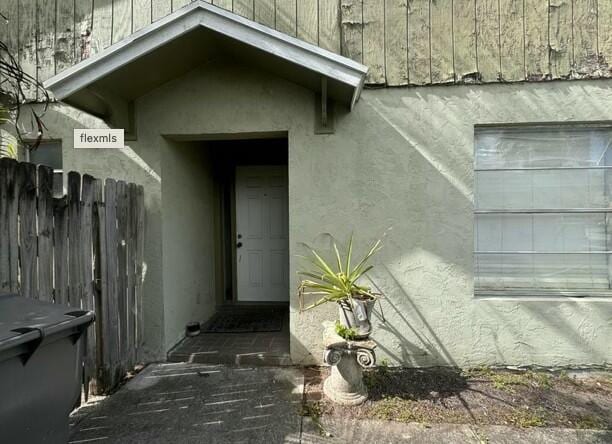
(24, 319)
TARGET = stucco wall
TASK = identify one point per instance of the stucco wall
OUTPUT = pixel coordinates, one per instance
(403, 159)
(189, 212)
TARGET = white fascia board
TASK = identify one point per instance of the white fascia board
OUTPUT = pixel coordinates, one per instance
(218, 20)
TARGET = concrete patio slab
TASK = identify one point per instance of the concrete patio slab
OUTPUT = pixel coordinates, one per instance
(195, 403)
(332, 430)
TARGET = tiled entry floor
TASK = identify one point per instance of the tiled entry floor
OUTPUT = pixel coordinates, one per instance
(240, 349)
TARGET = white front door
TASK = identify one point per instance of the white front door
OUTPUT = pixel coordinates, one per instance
(262, 233)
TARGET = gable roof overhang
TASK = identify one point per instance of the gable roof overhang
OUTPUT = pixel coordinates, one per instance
(109, 81)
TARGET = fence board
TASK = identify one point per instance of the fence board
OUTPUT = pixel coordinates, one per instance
(45, 233)
(88, 294)
(139, 247)
(584, 23)
(307, 21)
(488, 40)
(60, 249)
(74, 239)
(122, 294)
(419, 46)
(374, 40)
(27, 230)
(111, 329)
(441, 23)
(132, 224)
(13, 189)
(352, 29)
(537, 65)
(98, 250)
(6, 166)
(560, 38)
(464, 41)
(329, 25)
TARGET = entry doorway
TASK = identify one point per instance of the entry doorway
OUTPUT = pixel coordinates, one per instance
(262, 233)
(248, 324)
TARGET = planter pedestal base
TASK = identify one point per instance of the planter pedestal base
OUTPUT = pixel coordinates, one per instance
(348, 359)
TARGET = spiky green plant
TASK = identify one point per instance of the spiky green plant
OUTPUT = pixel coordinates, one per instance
(8, 143)
(336, 282)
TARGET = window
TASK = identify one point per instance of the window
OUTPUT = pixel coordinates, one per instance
(48, 154)
(543, 211)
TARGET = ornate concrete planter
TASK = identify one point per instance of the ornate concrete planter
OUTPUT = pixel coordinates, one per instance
(356, 314)
(347, 360)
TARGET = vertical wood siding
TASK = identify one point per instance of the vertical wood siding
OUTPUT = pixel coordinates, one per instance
(404, 42)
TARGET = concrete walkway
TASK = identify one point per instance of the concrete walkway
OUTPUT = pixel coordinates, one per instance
(195, 403)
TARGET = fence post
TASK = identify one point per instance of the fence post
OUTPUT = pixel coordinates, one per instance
(45, 233)
(27, 230)
(74, 239)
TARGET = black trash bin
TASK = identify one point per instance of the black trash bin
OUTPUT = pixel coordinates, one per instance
(40, 376)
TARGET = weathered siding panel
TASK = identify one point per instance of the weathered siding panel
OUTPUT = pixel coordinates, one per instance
(160, 8)
(560, 38)
(83, 16)
(396, 42)
(286, 11)
(536, 40)
(102, 31)
(441, 24)
(586, 61)
(27, 44)
(329, 25)
(402, 41)
(265, 12)
(374, 40)
(178, 4)
(244, 8)
(464, 40)
(225, 4)
(419, 45)
(352, 29)
(308, 21)
(122, 19)
(46, 38)
(512, 39)
(142, 11)
(488, 40)
(605, 35)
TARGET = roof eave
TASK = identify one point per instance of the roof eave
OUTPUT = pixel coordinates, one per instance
(188, 18)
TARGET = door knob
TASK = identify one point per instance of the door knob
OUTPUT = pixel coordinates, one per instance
(239, 244)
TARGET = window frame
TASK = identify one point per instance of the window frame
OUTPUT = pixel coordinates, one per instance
(536, 292)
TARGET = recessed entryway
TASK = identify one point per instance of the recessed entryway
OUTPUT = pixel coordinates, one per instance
(244, 320)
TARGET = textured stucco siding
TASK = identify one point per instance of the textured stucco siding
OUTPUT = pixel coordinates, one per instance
(403, 159)
(188, 221)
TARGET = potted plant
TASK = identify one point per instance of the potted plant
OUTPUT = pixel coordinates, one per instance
(340, 282)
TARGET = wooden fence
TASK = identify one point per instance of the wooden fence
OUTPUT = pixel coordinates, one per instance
(83, 249)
